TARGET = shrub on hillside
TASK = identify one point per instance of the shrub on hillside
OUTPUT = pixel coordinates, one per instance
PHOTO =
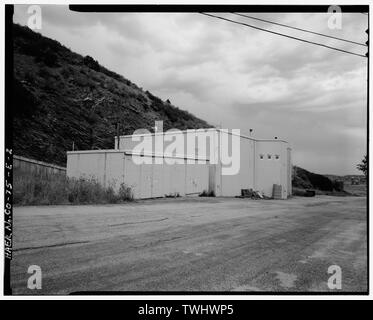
(156, 100)
(42, 51)
(114, 75)
(31, 48)
(29, 77)
(91, 63)
(67, 71)
(141, 98)
(48, 57)
(44, 72)
(24, 101)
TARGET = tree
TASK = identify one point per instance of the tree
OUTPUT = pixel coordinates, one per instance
(363, 166)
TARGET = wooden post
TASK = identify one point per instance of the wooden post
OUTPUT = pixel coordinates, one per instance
(118, 135)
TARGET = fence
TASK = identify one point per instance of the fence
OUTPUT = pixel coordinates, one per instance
(39, 167)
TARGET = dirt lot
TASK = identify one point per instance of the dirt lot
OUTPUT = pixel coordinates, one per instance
(199, 244)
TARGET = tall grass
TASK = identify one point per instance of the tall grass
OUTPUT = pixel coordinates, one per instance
(31, 188)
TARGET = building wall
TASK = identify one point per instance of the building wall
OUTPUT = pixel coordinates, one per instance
(188, 145)
(37, 167)
(289, 172)
(107, 167)
(272, 166)
(255, 173)
(113, 167)
(231, 185)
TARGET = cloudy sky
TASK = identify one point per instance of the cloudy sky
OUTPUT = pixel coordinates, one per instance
(238, 77)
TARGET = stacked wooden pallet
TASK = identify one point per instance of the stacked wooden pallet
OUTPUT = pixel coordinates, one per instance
(277, 191)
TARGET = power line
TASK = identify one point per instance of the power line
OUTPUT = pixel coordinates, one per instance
(299, 29)
(283, 35)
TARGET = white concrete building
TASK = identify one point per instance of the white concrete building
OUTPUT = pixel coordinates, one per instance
(113, 167)
(205, 161)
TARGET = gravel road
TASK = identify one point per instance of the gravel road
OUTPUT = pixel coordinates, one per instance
(193, 244)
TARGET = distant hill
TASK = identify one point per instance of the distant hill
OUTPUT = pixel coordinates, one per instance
(346, 178)
(61, 98)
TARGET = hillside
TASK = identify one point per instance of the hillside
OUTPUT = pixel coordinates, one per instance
(304, 179)
(61, 98)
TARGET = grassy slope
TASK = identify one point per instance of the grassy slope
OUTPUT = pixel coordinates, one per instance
(61, 97)
(303, 179)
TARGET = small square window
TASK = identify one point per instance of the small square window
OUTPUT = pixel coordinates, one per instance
(269, 156)
(261, 156)
(277, 157)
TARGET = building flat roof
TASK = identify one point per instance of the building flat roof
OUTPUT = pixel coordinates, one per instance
(199, 130)
(141, 154)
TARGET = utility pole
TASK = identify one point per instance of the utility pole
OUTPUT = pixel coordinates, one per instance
(115, 121)
(92, 117)
(118, 127)
(367, 55)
